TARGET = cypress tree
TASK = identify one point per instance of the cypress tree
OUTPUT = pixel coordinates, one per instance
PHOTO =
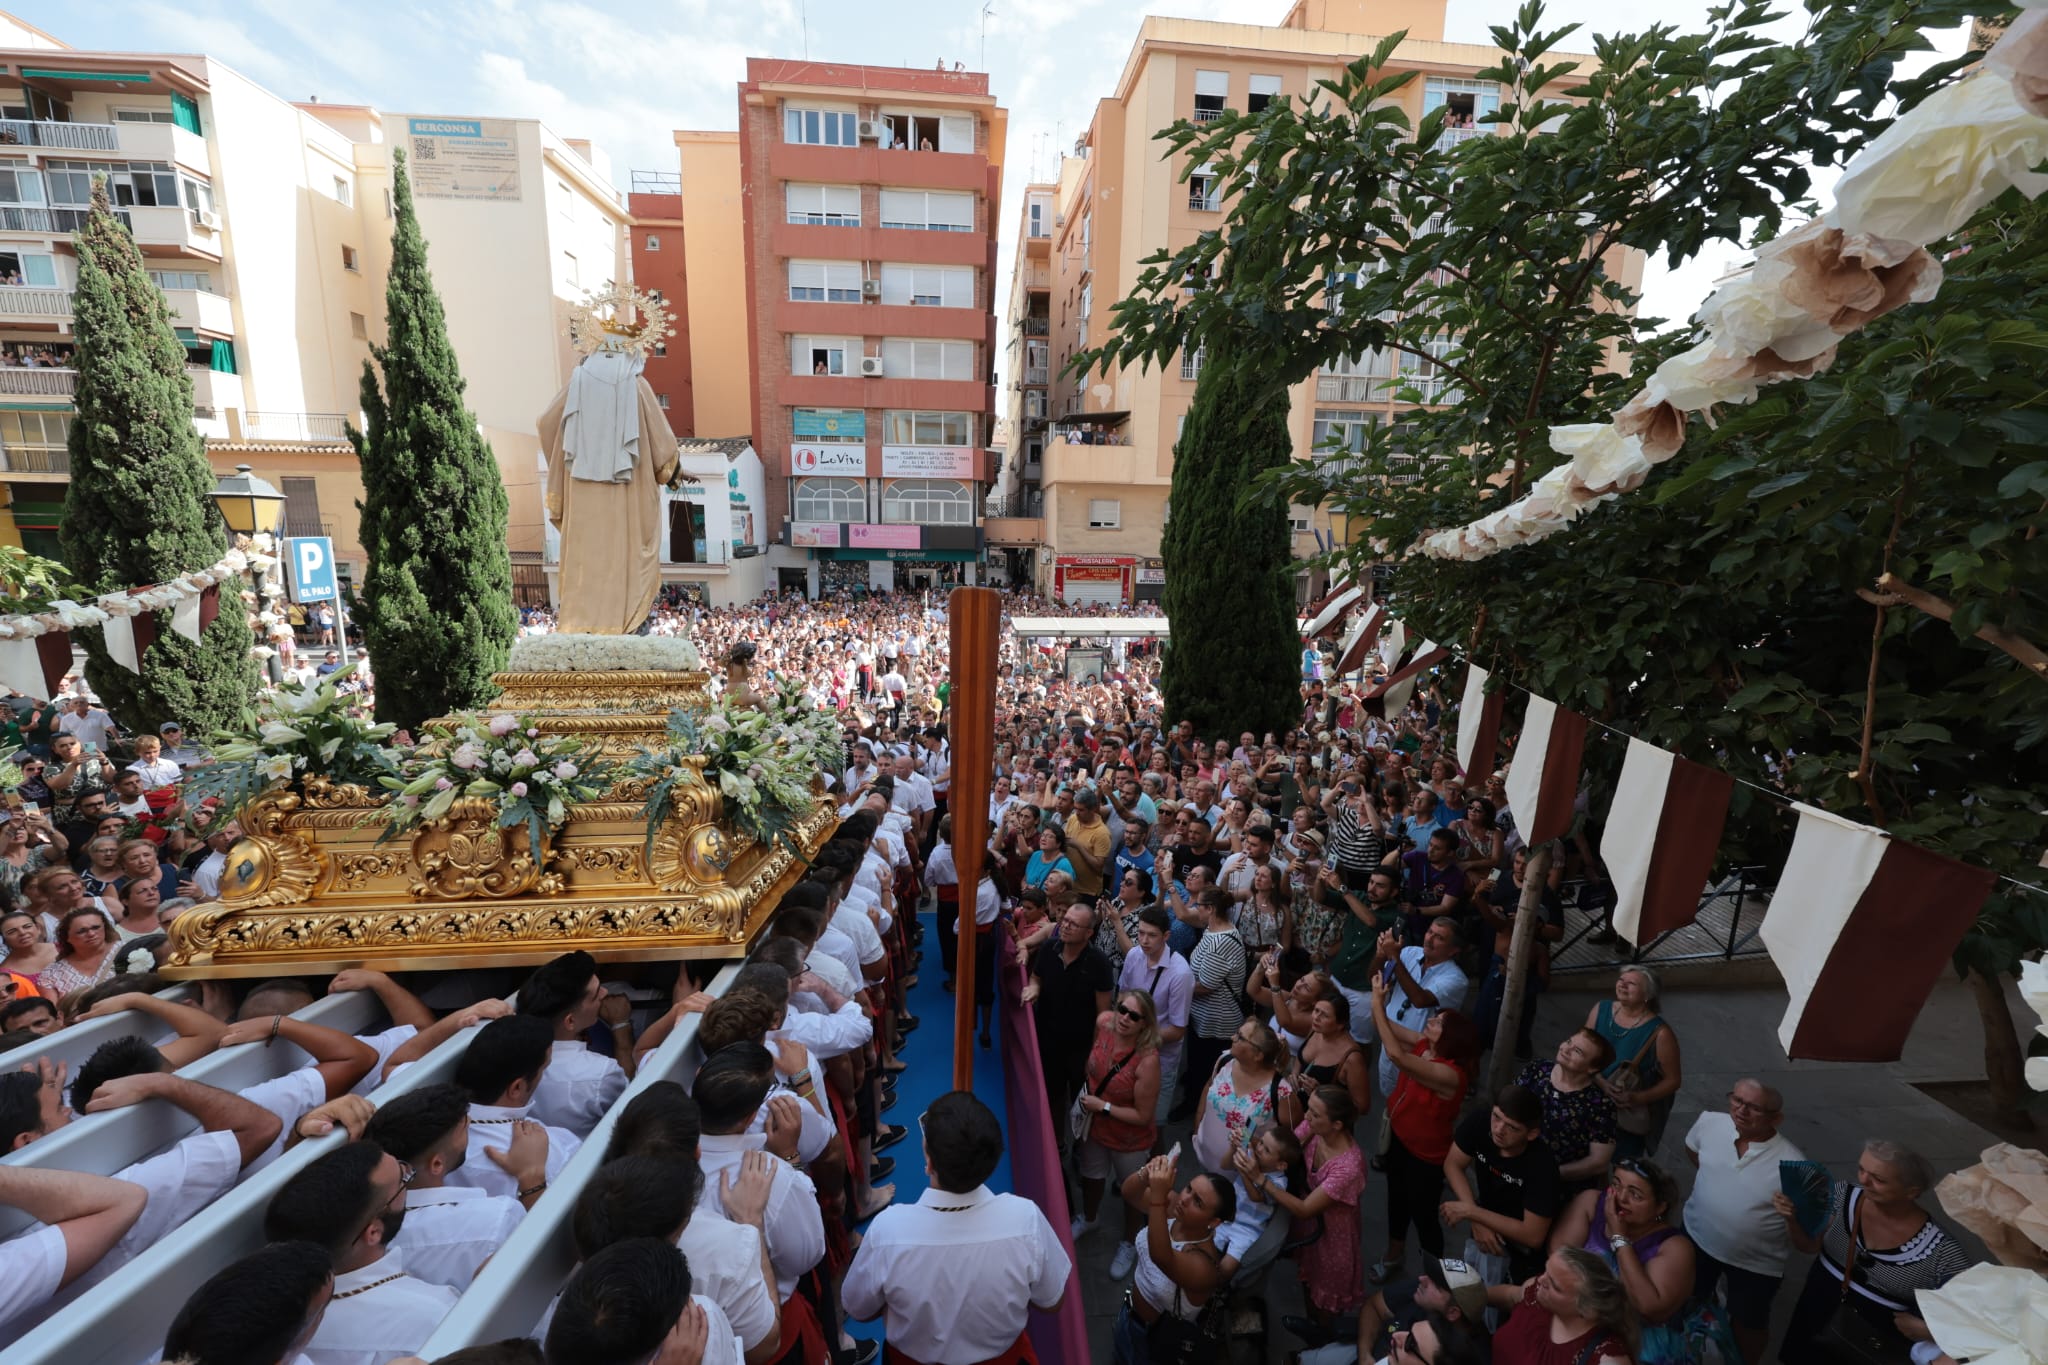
(437, 615)
(1232, 662)
(139, 509)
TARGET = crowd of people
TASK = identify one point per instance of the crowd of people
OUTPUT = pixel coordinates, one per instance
(1263, 971)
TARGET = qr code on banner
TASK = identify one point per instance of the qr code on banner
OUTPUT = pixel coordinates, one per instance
(423, 148)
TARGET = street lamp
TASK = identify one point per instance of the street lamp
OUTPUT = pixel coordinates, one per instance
(252, 507)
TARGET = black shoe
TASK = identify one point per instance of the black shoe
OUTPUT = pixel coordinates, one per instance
(889, 1136)
(881, 1170)
(1308, 1331)
(907, 1023)
(888, 1084)
(864, 1353)
(888, 1102)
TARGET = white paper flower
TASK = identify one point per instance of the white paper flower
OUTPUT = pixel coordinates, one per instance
(1685, 383)
(1603, 460)
(1749, 314)
(2021, 55)
(1954, 152)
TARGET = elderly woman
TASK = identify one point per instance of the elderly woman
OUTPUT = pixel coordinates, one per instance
(1051, 856)
(1644, 1077)
(1876, 1233)
(86, 939)
(1575, 1313)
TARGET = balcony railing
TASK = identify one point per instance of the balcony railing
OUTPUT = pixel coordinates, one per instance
(1207, 115)
(1352, 388)
(309, 527)
(1034, 374)
(295, 426)
(34, 300)
(1034, 327)
(56, 383)
(1205, 203)
(83, 137)
(32, 460)
(1451, 137)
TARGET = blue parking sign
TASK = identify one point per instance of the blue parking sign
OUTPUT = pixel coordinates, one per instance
(311, 562)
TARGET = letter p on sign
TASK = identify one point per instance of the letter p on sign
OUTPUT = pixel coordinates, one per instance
(312, 563)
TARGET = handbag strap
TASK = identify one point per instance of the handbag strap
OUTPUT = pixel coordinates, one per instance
(1110, 1075)
(1852, 1219)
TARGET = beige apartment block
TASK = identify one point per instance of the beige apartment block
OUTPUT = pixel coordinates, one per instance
(1107, 442)
(1016, 507)
(268, 224)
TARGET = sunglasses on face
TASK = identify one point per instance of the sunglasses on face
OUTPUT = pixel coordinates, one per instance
(1136, 1016)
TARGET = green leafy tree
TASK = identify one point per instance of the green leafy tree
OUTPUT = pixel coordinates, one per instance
(138, 509)
(1229, 563)
(1722, 611)
(436, 615)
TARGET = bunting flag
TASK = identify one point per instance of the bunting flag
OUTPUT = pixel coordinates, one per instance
(119, 632)
(55, 651)
(1543, 780)
(1478, 724)
(1325, 612)
(1361, 639)
(185, 616)
(1390, 694)
(1661, 837)
(1394, 645)
(21, 668)
(1861, 926)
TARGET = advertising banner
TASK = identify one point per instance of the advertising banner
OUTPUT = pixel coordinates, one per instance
(860, 535)
(928, 462)
(828, 459)
(464, 158)
(843, 424)
(814, 535)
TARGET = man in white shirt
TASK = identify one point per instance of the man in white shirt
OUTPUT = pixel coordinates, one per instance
(1164, 975)
(1241, 869)
(633, 1302)
(499, 1071)
(913, 796)
(1426, 979)
(579, 1085)
(127, 797)
(206, 877)
(730, 1089)
(638, 1196)
(352, 1202)
(274, 1298)
(863, 770)
(89, 723)
(451, 1230)
(914, 1258)
(80, 1217)
(1736, 1232)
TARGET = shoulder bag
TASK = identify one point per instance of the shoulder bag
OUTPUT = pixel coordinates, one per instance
(1080, 1120)
(1174, 1340)
(1848, 1337)
(1628, 1078)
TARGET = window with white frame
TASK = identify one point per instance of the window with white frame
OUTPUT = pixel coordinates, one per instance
(905, 358)
(1300, 519)
(831, 426)
(930, 286)
(1105, 514)
(1205, 189)
(822, 205)
(820, 127)
(1264, 90)
(653, 241)
(144, 116)
(130, 184)
(830, 500)
(344, 193)
(1087, 301)
(1347, 427)
(1356, 379)
(1191, 363)
(928, 210)
(1034, 403)
(927, 502)
(824, 355)
(910, 427)
(824, 281)
(182, 279)
(35, 442)
(349, 259)
(1212, 91)
(1038, 216)
(923, 131)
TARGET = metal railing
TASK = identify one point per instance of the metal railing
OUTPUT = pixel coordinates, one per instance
(34, 460)
(59, 383)
(1205, 203)
(1728, 925)
(307, 526)
(656, 182)
(1034, 327)
(1451, 137)
(1352, 388)
(1035, 374)
(35, 300)
(1202, 115)
(73, 1045)
(295, 426)
(83, 137)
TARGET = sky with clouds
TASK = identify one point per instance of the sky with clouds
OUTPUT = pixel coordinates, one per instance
(626, 75)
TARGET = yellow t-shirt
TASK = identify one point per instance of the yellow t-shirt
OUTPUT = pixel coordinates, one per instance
(1095, 839)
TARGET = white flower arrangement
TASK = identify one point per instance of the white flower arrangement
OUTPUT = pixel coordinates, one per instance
(603, 654)
(306, 730)
(531, 776)
(763, 758)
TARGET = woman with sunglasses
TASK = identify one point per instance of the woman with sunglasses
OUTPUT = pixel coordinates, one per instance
(1628, 1226)
(34, 787)
(1892, 1249)
(1122, 1095)
(1244, 1094)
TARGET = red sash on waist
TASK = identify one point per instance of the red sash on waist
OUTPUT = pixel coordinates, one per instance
(803, 1336)
(1019, 1353)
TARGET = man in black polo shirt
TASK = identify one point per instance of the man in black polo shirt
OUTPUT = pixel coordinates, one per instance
(1070, 981)
(1504, 1182)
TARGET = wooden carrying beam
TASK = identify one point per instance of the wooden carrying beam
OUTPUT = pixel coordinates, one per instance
(976, 617)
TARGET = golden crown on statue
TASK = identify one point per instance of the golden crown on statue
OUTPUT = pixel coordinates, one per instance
(619, 318)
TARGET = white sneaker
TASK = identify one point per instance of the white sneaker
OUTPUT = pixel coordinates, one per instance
(1079, 1227)
(1124, 1261)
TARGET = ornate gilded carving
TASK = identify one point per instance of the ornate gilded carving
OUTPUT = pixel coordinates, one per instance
(270, 864)
(355, 871)
(620, 863)
(467, 853)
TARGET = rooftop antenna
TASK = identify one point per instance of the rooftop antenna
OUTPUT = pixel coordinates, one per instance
(988, 8)
(804, 12)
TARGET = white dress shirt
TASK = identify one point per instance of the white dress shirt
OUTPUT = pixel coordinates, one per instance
(291, 1097)
(957, 1274)
(206, 876)
(832, 971)
(451, 1230)
(578, 1086)
(826, 1036)
(180, 1182)
(725, 1266)
(490, 1125)
(793, 1226)
(31, 1271)
(378, 1313)
(817, 1130)
(386, 1043)
(852, 921)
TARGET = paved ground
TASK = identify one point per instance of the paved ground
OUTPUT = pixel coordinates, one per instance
(1725, 1034)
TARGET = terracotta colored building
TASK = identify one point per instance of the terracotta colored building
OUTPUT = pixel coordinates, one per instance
(868, 200)
(655, 234)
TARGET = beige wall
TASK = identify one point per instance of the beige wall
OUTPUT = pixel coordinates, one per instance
(714, 260)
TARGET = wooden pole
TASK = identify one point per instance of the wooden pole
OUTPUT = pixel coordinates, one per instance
(1522, 946)
(975, 616)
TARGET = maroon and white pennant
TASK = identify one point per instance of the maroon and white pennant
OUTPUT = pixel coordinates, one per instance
(1478, 724)
(1661, 838)
(1543, 781)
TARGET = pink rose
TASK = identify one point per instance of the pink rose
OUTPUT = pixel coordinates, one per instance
(504, 725)
(518, 789)
(565, 770)
(442, 784)
(525, 758)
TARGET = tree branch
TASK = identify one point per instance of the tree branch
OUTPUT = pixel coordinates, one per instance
(1893, 591)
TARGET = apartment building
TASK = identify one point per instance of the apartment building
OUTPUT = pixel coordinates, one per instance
(267, 224)
(1016, 507)
(866, 200)
(659, 268)
(1107, 442)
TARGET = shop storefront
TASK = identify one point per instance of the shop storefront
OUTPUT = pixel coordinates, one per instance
(890, 557)
(1093, 580)
(1149, 584)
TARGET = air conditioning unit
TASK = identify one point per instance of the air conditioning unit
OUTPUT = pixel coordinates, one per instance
(208, 219)
(871, 289)
(870, 130)
(871, 367)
